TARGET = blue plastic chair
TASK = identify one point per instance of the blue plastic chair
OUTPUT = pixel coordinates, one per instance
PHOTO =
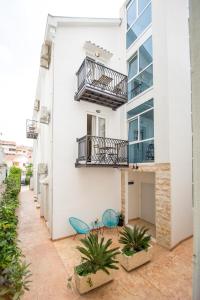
(110, 218)
(79, 226)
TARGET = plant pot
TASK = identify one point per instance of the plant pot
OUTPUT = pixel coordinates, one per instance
(137, 259)
(89, 282)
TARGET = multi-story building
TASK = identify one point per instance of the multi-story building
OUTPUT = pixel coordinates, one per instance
(159, 116)
(3, 167)
(87, 109)
(17, 155)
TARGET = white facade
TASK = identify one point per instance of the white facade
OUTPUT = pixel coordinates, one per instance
(80, 192)
(87, 192)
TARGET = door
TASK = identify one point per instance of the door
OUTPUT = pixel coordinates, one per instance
(148, 202)
(96, 127)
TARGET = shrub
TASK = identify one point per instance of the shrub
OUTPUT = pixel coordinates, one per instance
(97, 255)
(134, 239)
(14, 271)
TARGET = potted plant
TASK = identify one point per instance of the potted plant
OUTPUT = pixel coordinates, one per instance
(98, 263)
(137, 249)
(121, 220)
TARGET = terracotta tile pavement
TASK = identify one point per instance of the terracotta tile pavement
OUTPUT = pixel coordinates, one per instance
(167, 277)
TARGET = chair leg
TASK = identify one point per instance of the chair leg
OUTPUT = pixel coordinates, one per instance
(74, 237)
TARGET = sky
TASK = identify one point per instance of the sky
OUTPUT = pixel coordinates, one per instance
(22, 26)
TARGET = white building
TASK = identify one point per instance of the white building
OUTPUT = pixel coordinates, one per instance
(156, 186)
(3, 168)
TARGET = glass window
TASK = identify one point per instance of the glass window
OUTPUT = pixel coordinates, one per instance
(131, 14)
(133, 67)
(141, 5)
(141, 146)
(139, 26)
(147, 125)
(139, 109)
(133, 130)
(140, 83)
(141, 152)
(145, 54)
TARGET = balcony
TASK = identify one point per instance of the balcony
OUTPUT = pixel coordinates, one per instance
(95, 151)
(101, 85)
(31, 129)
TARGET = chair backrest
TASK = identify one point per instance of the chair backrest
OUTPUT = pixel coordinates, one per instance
(110, 218)
(79, 226)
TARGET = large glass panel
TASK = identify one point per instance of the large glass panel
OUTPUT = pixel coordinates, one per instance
(145, 54)
(141, 5)
(133, 153)
(131, 14)
(139, 26)
(133, 67)
(139, 109)
(140, 83)
(133, 130)
(141, 152)
(146, 125)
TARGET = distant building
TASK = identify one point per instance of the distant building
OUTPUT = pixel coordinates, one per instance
(17, 155)
(3, 167)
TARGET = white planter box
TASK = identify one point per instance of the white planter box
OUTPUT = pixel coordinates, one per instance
(135, 260)
(87, 283)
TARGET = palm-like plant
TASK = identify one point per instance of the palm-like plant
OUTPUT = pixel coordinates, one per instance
(134, 239)
(97, 255)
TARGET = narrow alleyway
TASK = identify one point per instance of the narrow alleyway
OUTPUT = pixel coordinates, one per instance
(48, 273)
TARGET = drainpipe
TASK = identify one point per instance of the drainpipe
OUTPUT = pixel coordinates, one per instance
(194, 25)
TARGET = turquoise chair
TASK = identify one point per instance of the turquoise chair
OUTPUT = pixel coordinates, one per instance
(79, 226)
(110, 218)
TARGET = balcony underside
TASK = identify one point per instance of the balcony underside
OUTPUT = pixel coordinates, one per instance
(101, 97)
(31, 135)
(95, 165)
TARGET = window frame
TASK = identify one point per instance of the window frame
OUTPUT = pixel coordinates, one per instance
(97, 115)
(138, 116)
(137, 17)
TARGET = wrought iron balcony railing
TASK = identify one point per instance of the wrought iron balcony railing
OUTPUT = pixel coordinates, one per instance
(103, 152)
(101, 85)
(31, 129)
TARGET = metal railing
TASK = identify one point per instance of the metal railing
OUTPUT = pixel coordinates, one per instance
(31, 129)
(95, 150)
(100, 77)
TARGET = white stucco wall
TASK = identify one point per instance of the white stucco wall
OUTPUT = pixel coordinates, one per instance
(81, 192)
(135, 195)
(180, 133)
